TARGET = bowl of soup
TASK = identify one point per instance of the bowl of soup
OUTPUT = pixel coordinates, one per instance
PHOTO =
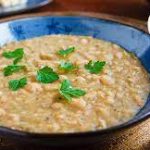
(71, 80)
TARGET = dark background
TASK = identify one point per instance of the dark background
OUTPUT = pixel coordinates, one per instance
(139, 9)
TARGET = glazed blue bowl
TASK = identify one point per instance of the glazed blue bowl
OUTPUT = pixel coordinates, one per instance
(31, 4)
(132, 39)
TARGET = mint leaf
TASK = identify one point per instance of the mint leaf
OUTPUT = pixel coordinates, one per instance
(95, 67)
(67, 66)
(47, 75)
(9, 70)
(66, 52)
(68, 92)
(14, 85)
(17, 54)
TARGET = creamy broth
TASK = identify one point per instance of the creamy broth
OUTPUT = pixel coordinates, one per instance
(112, 97)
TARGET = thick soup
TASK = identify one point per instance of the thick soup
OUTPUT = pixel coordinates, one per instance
(63, 83)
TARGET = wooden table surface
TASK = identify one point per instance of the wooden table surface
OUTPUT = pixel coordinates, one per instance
(139, 9)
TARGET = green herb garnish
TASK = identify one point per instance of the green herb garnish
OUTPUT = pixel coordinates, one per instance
(47, 75)
(67, 66)
(17, 54)
(14, 85)
(9, 70)
(68, 92)
(95, 67)
(66, 52)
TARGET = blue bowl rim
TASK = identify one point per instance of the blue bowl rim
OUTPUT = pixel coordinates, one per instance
(31, 135)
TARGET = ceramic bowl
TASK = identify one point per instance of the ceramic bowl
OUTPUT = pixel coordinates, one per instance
(132, 39)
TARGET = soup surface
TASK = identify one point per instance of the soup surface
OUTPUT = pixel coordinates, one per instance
(99, 95)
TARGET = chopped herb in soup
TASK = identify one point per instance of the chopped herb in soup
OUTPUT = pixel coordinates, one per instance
(64, 83)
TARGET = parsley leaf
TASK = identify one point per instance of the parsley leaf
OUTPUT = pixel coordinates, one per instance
(67, 66)
(17, 54)
(95, 67)
(47, 75)
(68, 92)
(9, 70)
(14, 85)
(66, 52)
